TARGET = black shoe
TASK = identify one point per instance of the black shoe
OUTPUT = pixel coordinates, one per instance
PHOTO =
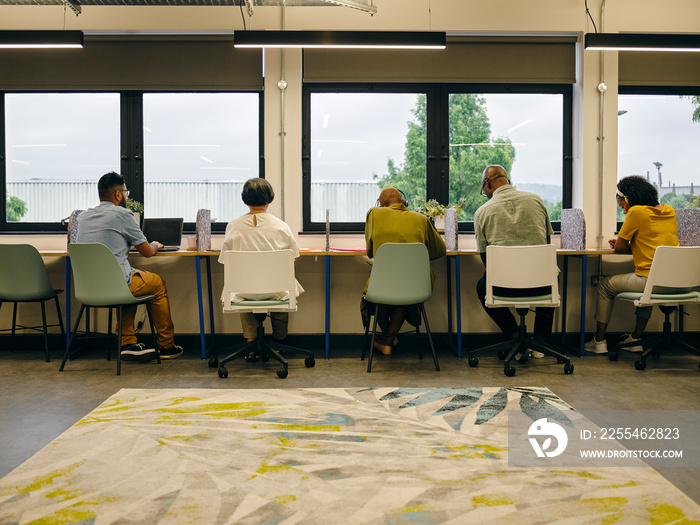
(137, 352)
(170, 353)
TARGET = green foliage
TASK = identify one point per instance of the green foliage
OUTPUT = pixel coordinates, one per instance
(134, 206)
(16, 208)
(471, 149)
(433, 208)
(695, 101)
(678, 201)
(553, 210)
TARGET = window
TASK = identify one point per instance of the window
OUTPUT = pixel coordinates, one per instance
(658, 135)
(178, 152)
(199, 149)
(57, 145)
(432, 142)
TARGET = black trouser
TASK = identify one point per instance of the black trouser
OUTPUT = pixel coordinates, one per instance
(505, 319)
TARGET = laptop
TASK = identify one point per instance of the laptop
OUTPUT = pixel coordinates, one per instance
(168, 232)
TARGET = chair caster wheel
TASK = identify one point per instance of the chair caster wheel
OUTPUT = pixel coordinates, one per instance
(223, 373)
(509, 371)
(613, 356)
(473, 361)
(569, 369)
(640, 365)
(502, 354)
(264, 357)
(214, 362)
(282, 373)
(309, 362)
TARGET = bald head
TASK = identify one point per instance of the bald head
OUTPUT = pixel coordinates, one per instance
(389, 197)
(494, 177)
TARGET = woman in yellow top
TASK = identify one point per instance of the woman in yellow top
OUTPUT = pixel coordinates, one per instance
(647, 225)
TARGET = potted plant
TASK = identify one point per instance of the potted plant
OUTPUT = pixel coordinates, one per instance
(136, 208)
(436, 211)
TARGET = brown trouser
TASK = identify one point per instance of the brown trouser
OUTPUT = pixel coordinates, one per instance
(147, 283)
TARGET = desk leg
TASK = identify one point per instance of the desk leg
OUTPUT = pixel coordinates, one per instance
(328, 305)
(458, 300)
(68, 320)
(201, 307)
(582, 325)
(211, 305)
(449, 302)
(564, 295)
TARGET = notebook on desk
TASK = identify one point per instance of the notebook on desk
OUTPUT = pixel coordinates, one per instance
(168, 232)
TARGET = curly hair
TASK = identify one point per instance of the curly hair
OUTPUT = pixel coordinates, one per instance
(257, 192)
(638, 191)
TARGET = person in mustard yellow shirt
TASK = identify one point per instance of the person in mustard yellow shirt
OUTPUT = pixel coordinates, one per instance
(392, 221)
(647, 225)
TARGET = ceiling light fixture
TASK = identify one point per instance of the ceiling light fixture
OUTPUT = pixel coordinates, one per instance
(341, 39)
(369, 8)
(642, 42)
(40, 39)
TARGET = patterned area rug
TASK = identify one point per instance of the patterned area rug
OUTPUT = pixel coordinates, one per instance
(333, 455)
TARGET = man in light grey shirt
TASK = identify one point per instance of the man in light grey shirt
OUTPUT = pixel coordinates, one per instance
(111, 224)
(511, 218)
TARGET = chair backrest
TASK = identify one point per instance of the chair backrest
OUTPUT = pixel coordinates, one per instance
(23, 275)
(259, 273)
(97, 277)
(522, 267)
(400, 275)
(672, 267)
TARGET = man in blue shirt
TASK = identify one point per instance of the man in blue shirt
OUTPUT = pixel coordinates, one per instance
(113, 225)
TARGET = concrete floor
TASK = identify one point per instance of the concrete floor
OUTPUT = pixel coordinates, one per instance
(39, 402)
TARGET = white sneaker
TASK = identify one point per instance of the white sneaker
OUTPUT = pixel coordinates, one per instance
(637, 349)
(536, 354)
(596, 347)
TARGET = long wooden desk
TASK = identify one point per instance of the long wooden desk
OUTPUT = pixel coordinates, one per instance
(452, 257)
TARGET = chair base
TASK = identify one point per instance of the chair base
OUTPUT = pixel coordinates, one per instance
(264, 349)
(381, 335)
(507, 350)
(42, 327)
(655, 344)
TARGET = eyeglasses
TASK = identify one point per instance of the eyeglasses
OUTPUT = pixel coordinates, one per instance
(125, 192)
(483, 184)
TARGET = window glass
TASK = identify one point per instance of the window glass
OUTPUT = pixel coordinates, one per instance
(658, 137)
(521, 132)
(199, 149)
(360, 143)
(58, 145)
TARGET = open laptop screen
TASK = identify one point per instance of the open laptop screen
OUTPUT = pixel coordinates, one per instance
(168, 232)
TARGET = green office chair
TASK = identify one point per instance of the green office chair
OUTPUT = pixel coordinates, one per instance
(674, 271)
(400, 277)
(23, 279)
(99, 283)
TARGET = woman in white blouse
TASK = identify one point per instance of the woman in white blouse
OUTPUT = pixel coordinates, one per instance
(255, 231)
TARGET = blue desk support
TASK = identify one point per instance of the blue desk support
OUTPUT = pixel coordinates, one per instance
(68, 320)
(328, 306)
(582, 320)
(201, 305)
(458, 304)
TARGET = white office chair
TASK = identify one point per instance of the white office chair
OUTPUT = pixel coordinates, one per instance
(260, 274)
(673, 267)
(518, 267)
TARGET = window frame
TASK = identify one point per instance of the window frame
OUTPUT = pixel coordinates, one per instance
(437, 138)
(625, 89)
(131, 153)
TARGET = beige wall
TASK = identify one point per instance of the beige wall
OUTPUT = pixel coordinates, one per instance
(593, 175)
